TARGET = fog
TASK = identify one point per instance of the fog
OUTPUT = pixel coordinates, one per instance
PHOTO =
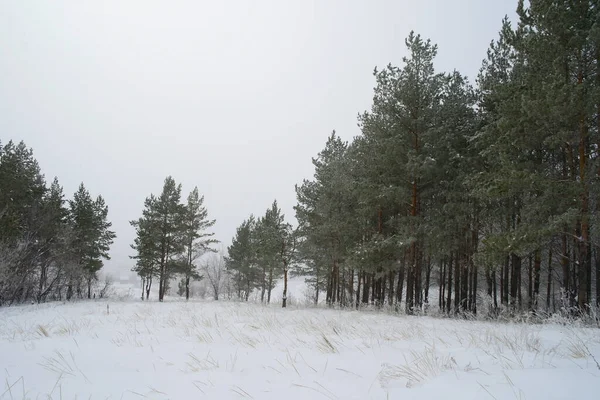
(234, 97)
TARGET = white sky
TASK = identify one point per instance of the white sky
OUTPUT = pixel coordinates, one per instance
(234, 97)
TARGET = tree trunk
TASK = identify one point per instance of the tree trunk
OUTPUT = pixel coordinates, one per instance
(565, 267)
(285, 287)
(465, 283)
(597, 279)
(582, 295)
(530, 283)
(69, 291)
(427, 280)
(520, 284)
(400, 286)
(148, 286)
(263, 286)
(270, 286)
(448, 304)
(495, 291)
(514, 281)
(382, 286)
(42, 283)
(474, 291)
(505, 290)
(351, 287)
(187, 287)
(358, 281)
(442, 296)
(419, 279)
(317, 289)
(410, 280)
(549, 287)
(366, 283)
(457, 283)
(373, 288)
(329, 293)
(537, 266)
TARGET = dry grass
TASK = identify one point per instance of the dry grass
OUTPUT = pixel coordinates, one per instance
(424, 365)
(428, 347)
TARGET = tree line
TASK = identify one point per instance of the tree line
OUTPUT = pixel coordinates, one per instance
(51, 248)
(488, 192)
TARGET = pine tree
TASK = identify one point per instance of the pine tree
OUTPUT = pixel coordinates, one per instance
(92, 238)
(325, 220)
(399, 133)
(23, 187)
(269, 230)
(147, 246)
(54, 240)
(197, 241)
(160, 240)
(241, 261)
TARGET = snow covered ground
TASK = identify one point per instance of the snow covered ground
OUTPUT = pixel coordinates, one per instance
(225, 350)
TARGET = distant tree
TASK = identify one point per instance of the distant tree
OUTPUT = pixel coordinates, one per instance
(214, 268)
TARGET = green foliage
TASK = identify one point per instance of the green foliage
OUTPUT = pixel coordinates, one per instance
(45, 246)
(91, 233)
(171, 236)
(261, 252)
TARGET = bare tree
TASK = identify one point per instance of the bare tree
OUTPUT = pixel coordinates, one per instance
(215, 273)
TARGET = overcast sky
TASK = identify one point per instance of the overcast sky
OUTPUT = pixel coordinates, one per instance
(234, 97)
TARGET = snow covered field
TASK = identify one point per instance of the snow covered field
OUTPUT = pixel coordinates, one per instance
(225, 350)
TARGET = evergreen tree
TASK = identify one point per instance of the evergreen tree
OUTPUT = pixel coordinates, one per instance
(23, 187)
(325, 220)
(197, 241)
(267, 248)
(241, 259)
(160, 243)
(54, 240)
(92, 238)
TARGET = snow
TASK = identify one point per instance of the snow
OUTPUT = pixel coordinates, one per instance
(230, 350)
